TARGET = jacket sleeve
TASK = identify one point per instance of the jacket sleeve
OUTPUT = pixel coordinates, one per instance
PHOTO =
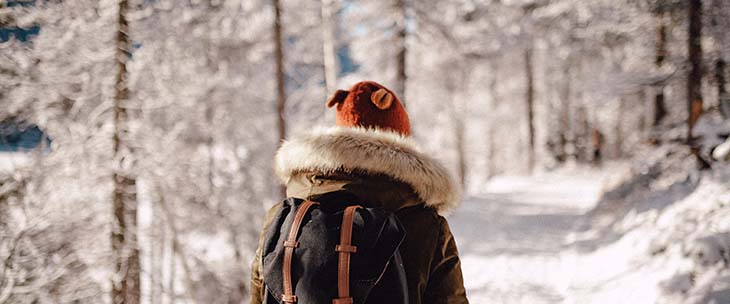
(445, 283)
(257, 276)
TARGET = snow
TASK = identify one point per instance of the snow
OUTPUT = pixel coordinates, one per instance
(10, 161)
(722, 151)
(597, 236)
(512, 238)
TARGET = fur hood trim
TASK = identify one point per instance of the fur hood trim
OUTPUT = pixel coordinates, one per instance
(373, 151)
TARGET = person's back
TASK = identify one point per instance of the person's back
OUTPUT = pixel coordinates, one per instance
(369, 159)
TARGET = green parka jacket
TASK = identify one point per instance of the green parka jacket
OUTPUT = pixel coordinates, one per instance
(380, 169)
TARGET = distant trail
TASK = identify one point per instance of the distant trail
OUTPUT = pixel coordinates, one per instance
(514, 239)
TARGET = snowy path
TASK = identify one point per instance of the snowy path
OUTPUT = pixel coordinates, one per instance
(515, 239)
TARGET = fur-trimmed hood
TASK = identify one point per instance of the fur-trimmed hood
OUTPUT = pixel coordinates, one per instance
(371, 151)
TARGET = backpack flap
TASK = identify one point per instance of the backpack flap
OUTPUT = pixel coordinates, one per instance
(376, 233)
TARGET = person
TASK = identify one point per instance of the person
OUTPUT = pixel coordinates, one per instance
(369, 158)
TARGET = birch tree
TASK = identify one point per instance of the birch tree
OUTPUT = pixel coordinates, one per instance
(126, 281)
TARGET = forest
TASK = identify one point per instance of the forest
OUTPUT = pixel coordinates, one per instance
(137, 138)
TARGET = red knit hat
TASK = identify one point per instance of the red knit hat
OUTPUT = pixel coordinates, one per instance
(371, 105)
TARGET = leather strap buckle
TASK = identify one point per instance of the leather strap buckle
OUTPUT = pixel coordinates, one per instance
(346, 248)
(291, 244)
(288, 298)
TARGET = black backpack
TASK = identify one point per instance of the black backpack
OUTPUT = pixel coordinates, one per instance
(348, 254)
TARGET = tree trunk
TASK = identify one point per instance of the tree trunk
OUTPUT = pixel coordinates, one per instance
(401, 36)
(619, 148)
(642, 124)
(210, 143)
(529, 98)
(280, 79)
(177, 249)
(171, 279)
(157, 247)
(461, 149)
(566, 136)
(492, 122)
(328, 45)
(660, 109)
(455, 85)
(722, 95)
(152, 258)
(694, 78)
(125, 250)
(162, 249)
(596, 146)
(582, 136)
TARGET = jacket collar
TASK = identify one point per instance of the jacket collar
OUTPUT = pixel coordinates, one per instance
(372, 191)
(369, 152)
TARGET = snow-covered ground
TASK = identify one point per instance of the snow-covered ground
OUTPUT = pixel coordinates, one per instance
(560, 238)
(513, 238)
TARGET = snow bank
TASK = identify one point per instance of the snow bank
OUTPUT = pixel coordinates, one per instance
(664, 229)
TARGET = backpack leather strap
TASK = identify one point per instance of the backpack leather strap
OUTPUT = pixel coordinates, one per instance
(289, 245)
(345, 248)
